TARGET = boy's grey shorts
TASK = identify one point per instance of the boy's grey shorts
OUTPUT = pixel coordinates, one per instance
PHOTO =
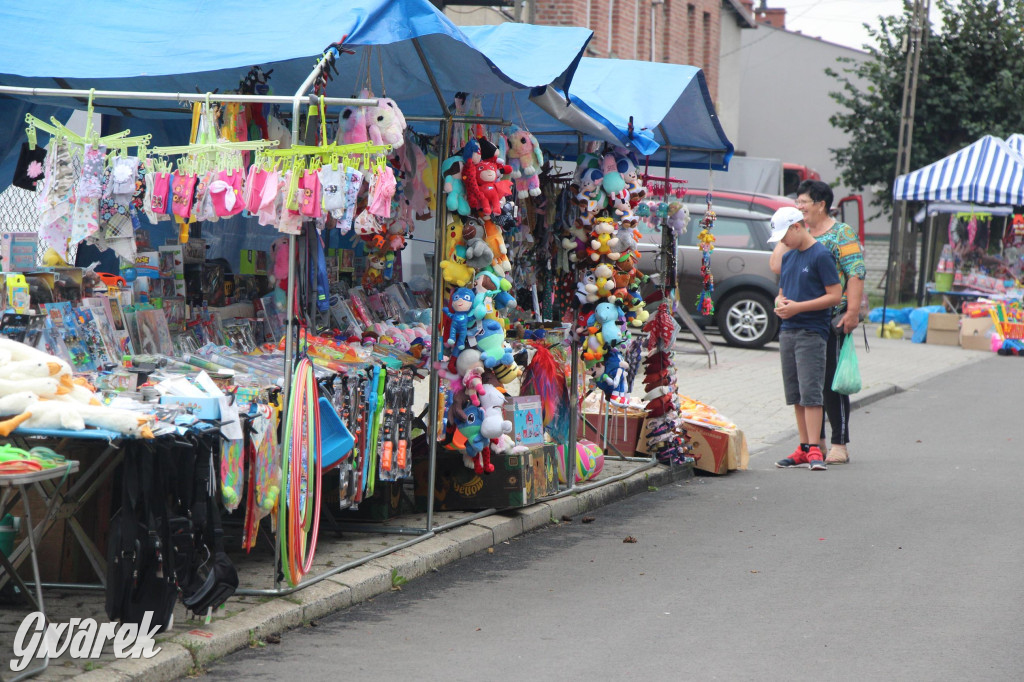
(803, 366)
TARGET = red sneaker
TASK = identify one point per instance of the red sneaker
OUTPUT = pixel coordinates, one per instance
(816, 459)
(797, 459)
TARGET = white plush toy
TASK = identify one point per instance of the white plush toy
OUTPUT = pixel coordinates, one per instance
(45, 387)
(14, 351)
(33, 413)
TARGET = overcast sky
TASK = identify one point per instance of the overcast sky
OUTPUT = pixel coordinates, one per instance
(840, 21)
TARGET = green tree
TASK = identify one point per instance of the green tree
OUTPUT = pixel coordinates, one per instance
(970, 84)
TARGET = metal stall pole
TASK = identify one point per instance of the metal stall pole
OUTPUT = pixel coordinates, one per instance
(435, 314)
(569, 451)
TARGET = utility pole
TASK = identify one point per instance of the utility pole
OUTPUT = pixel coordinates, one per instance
(902, 232)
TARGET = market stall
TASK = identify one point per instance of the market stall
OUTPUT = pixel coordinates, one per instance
(973, 233)
(216, 143)
(304, 356)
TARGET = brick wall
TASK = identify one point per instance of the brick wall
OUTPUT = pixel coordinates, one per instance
(686, 31)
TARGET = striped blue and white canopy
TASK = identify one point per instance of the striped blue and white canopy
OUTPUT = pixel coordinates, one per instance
(1016, 143)
(988, 171)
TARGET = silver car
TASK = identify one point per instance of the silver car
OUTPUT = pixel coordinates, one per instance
(745, 287)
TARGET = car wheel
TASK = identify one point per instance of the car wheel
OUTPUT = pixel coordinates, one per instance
(745, 319)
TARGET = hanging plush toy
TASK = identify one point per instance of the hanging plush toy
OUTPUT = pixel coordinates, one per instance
(605, 319)
(501, 264)
(491, 343)
(493, 189)
(527, 160)
(471, 175)
(386, 124)
(456, 272)
(352, 124)
(478, 253)
(611, 378)
(468, 420)
(602, 242)
(456, 201)
(461, 303)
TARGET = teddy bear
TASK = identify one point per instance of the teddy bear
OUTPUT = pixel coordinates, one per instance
(526, 159)
(456, 200)
(494, 424)
(385, 123)
(468, 420)
(492, 346)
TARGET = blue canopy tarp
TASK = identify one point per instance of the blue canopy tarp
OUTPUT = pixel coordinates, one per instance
(985, 172)
(197, 46)
(668, 105)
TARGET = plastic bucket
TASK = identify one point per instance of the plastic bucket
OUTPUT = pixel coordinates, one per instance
(943, 281)
(335, 440)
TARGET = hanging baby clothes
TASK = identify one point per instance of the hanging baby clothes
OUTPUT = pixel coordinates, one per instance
(309, 194)
(148, 200)
(226, 193)
(159, 198)
(266, 211)
(353, 183)
(87, 194)
(121, 186)
(183, 186)
(57, 199)
(381, 192)
(332, 185)
(288, 221)
(203, 208)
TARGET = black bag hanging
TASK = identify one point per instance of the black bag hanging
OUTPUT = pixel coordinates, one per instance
(140, 578)
(221, 579)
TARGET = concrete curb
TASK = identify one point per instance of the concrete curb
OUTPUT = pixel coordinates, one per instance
(189, 652)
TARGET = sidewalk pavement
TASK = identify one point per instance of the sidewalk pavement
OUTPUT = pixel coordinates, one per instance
(745, 386)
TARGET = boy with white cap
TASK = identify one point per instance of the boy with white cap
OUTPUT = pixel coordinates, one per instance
(808, 288)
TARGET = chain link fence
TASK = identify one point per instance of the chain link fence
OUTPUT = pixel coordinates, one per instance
(18, 213)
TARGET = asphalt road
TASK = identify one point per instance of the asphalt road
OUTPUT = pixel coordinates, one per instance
(904, 565)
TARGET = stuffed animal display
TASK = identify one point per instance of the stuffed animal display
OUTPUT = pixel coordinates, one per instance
(37, 391)
(601, 249)
(479, 361)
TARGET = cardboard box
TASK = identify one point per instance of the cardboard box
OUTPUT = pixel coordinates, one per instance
(623, 432)
(943, 329)
(202, 408)
(517, 481)
(525, 413)
(976, 332)
(717, 451)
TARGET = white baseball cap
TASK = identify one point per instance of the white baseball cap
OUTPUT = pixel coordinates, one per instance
(782, 220)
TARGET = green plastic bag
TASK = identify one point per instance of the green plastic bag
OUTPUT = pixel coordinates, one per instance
(847, 379)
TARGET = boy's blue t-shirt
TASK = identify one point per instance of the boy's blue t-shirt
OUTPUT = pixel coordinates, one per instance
(805, 274)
